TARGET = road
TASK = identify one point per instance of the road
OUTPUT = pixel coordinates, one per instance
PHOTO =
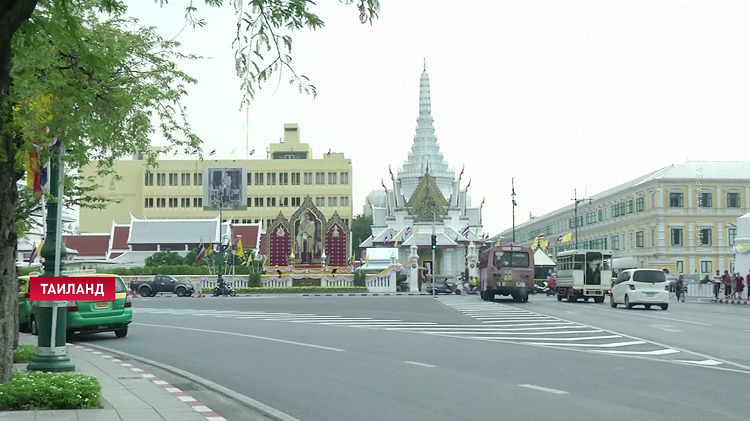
(452, 358)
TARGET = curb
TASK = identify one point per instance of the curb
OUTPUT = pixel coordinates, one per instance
(725, 301)
(368, 294)
(266, 410)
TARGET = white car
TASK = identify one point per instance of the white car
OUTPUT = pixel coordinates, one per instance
(644, 287)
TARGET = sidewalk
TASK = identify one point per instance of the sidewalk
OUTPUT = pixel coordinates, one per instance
(128, 393)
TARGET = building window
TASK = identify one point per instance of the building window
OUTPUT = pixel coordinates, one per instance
(639, 204)
(731, 234)
(615, 242)
(271, 202)
(296, 179)
(173, 202)
(332, 201)
(258, 202)
(161, 202)
(600, 215)
(308, 178)
(271, 178)
(283, 202)
(705, 236)
(344, 178)
(733, 200)
(249, 202)
(148, 202)
(161, 179)
(344, 201)
(320, 201)
(680, 266)
(639, 239)
(320, 178)
(675, 235)
(185, 202)
(198, 179)
(705, 200)
(675, 200)
(707, 266)
(258, 178)
(296, 202)
(629, 206)
(332, 178)
(572, 222)
(653, 238)
(173, 179)
(284, 178)
(148, 179)
(590, 217)
(249, 179)
(197, 202)
(185, 178)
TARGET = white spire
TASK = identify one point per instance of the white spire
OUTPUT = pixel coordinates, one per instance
(425, 151)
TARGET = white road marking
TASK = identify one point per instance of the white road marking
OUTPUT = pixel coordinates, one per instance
(666, 328)
(245, 336)
(500, 332)
(589, 338)
(704, 362)
(544, 389)
(635, 313)
(571, 312)
(656, 352)
(420, 364)
(612, 345)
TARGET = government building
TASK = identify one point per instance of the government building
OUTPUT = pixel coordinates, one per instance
(682, 218)
(246, 191)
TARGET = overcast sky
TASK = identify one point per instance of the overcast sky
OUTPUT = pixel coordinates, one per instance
(559, 95)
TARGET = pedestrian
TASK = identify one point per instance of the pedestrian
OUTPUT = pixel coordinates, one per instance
(132, 286)
(727, 284)
(738, 286)
(717, 283)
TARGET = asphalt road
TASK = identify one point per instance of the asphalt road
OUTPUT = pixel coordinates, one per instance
(455, 358)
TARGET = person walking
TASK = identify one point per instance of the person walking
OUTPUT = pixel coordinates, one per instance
(717, 283)
(738, 286)
(727, 280)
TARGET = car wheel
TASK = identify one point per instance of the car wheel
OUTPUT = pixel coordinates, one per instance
(612, 302)
(34, 327)
(664, 307)
(121, 332)
(627, 302)
(144, 291)
(180, 291)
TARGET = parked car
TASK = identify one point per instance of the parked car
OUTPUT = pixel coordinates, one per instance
(644, 287)
(95, 316)
(163, 284)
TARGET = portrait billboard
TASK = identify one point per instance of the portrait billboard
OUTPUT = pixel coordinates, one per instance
(308, 235)
(225, 188)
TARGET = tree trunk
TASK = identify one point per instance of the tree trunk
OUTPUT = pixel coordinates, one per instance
(13, 13)
(17, 335)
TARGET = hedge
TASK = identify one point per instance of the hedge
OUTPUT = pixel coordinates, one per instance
(23, 354)
(42, 391)
(291, 289)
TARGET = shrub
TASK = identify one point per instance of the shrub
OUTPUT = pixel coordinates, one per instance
(166, 270)
(292, 289)
(41, 391)
(254, 281)
(23, 354)
(360, 278)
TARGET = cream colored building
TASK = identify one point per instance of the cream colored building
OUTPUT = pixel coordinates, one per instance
(175, 189)
(681, 217)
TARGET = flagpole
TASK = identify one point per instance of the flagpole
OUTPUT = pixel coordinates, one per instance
(60, 191)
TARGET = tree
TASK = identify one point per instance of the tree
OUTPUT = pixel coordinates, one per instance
(101, 86)
(165, 258)
(361, 231)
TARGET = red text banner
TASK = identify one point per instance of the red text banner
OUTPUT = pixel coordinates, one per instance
(71, 288)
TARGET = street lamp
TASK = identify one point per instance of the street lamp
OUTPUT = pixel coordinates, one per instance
(513, 197)
(223, 238)
(575, 213)
(51, 353)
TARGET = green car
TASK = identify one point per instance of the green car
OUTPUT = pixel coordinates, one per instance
(96, 316)
(24, 305)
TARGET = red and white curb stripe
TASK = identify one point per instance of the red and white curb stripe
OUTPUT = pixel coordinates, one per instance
(725, 301)
(366, 295)
(179, 394)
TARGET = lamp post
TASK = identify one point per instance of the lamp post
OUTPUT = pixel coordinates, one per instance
(576, 200)
(513, 197)
(220, 258)
(51, 352)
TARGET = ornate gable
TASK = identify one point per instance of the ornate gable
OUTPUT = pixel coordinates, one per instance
(308, 206)
(428, 201)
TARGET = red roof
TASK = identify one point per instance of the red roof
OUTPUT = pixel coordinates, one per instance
(95, 245)
(120, 240)
(248, 233)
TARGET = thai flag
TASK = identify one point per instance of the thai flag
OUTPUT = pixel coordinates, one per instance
(201, 252)
(175, 152)
(329, 152)
(33, 255)
(385, 240)
(194, 152)
(407, 233)
(466, 230)
(559, 239)
(252, 152)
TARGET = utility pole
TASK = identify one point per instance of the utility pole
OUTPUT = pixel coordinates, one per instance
(513, 197)
(220, 256)
(576, 200)
(434, 246)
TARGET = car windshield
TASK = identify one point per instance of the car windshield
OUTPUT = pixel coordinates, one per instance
(650, 276)
(515, 259)
(120, 285)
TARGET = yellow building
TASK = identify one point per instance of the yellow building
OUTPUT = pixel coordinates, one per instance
(180, 188)
(682, 218)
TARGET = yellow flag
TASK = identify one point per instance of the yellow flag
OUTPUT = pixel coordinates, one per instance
(535, 243)
(367, 260)
(416, 230)
(209, 249)
(567, 237)
(395, 243)
(39, 248)
(240, 251)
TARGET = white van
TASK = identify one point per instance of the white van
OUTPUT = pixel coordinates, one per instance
(644, 287)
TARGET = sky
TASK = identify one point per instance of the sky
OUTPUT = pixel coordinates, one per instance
(556, 95)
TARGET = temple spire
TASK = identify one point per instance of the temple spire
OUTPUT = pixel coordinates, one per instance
(425, 106)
